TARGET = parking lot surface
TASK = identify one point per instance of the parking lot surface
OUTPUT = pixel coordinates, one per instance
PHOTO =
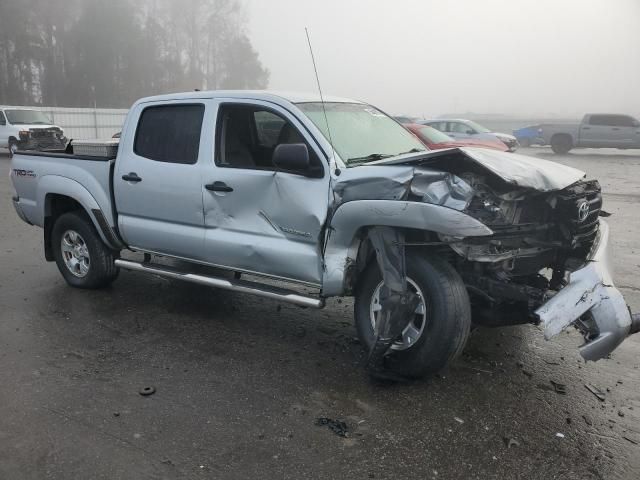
(241, 381)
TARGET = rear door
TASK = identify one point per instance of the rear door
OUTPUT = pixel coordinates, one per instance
(624, 132)
(599, 131)
(157, 182)
(260, 219)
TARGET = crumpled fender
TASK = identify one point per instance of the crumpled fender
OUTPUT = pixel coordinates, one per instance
(342, 243)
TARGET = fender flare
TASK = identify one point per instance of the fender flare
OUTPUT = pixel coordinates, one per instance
(58, 185)
(343, 242)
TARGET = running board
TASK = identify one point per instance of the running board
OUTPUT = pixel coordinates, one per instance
(223, 283)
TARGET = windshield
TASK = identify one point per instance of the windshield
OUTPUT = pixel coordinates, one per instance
(27, 117)
(477, 127)
(361, 133)
(431, 135)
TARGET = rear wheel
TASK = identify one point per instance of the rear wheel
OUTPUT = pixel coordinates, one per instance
(440, 325)
(561, 144)
(83, 260)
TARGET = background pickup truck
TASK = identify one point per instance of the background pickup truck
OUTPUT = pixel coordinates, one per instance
(596, 130)
(339, 198)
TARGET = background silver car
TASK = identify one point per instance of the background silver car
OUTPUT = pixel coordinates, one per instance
(461, 128)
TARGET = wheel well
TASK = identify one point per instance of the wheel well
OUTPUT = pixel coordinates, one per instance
(55, 206)
(415, 239)
(557, 136)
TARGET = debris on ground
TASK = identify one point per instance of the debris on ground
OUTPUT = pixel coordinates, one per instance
(560, 435)
(559, 387)
(459, 420)
(336, 426)
(511, 442)
(146, 391)
(631, 440)
(620, 413)
(597, 392)
(587, 420)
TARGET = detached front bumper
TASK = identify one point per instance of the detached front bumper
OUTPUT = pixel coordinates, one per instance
(591, 301)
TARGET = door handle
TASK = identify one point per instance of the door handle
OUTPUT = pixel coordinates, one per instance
(218, 187)
(586, 128)
(132, 177)
(615, 128)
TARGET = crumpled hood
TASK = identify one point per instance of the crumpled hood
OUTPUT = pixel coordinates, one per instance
(520, 170)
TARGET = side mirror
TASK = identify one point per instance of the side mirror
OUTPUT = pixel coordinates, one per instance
(292, 157)
(470, 132)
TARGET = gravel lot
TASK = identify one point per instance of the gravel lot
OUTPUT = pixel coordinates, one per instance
(240, 381)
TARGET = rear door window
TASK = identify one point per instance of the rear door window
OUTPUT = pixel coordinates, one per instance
(3, 121)
(170, 133)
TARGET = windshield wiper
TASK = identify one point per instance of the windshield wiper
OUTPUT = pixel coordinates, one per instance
(413, 150)
(369, 158)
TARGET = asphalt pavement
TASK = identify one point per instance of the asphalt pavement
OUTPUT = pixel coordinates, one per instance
(240, 382)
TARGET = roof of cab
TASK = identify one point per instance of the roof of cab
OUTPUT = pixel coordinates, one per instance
(265, 95)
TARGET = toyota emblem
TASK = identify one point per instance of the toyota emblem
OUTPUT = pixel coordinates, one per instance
(583, 211)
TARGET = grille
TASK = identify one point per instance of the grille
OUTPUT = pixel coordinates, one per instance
(578, 211)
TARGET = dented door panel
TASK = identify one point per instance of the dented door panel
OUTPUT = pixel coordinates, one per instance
(270, 223)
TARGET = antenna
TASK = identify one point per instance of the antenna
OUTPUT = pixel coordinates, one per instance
(324, 110)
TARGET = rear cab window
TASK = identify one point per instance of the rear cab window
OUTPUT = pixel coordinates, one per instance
(170, 133)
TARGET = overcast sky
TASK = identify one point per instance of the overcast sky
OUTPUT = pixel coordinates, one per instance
(522, 57)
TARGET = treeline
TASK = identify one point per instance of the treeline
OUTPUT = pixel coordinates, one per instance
(111, 52)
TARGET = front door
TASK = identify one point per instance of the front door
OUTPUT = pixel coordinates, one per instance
(258, 219)
(4, 131)
(157, 183)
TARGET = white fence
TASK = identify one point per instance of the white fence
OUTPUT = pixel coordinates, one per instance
(85, 123)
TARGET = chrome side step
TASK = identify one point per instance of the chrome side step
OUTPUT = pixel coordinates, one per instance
(241, 286)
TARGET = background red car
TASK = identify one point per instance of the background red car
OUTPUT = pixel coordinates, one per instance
(436, 140)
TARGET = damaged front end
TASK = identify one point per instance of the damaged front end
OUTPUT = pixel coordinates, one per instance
(47, 138)
(546, 261)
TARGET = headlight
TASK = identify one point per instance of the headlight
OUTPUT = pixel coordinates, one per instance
(23, 133)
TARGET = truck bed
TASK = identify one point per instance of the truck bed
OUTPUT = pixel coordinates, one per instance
(39, 176)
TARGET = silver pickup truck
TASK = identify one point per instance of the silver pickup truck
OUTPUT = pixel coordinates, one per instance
(285, 191)
(596, 130)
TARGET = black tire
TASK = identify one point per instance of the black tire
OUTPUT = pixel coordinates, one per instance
(561, 144)
(448, 315)
(101, 267)
(13, 146)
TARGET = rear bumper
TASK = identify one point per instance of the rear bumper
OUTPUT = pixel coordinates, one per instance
(591, 302)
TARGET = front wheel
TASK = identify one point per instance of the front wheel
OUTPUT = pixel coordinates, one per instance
(13, 148)
(438, 329)
(83, 260)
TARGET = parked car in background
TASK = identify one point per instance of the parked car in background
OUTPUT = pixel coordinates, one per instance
(597, 130)
(27, 129)
(531, 135)
(461, 128)
(437, 140)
